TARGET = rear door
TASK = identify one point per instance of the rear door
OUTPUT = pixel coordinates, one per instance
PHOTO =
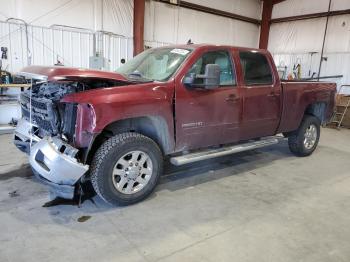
(207, 117)
(261, 95)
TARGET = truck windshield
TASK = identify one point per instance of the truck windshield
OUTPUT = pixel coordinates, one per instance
(154, 64)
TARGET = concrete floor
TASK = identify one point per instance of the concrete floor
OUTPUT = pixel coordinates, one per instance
(264, 205)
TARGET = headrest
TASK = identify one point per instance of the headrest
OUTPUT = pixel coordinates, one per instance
(223, 62)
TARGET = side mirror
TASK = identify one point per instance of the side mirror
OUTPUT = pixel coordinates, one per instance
(189, 80)
(211, 78)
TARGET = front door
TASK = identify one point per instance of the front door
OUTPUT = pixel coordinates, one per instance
(208, 117)
(261, 96)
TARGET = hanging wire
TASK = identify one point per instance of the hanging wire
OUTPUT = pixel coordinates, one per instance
(66, 61)
(35, 19)
(30, 115)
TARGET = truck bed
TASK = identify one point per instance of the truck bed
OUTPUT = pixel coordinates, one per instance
(298, 95)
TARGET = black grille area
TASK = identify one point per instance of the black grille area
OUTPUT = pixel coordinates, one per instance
(43, 114)
(44, 124)
(36, 104)
(47, 112)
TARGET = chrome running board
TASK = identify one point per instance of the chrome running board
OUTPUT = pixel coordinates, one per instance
(222, 151)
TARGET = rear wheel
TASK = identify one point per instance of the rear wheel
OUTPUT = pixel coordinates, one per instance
(303, 141)
(126, 168)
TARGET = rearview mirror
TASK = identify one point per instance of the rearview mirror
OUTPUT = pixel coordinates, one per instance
(211, 78)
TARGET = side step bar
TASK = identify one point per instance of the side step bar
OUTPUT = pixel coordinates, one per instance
(223, 151)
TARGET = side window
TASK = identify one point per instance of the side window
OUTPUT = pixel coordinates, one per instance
(256, 69)
(221, 58)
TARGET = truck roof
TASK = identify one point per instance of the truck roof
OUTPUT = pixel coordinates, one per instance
(200, 46)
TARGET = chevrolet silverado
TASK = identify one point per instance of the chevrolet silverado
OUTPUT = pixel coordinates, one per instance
(186, 102)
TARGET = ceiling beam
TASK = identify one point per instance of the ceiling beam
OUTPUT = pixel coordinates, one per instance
(310, 16)
(210, 10)
(275, 2)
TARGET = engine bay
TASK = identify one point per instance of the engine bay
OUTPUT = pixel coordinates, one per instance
(41, 105)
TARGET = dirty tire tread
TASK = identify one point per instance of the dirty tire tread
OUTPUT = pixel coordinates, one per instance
(295, 139)
(100, 157)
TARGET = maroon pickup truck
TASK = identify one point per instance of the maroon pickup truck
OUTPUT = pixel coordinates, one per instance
(186, 102)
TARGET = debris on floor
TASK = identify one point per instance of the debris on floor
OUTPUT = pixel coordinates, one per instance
(13, 193)
(83, 218)
(60, 201)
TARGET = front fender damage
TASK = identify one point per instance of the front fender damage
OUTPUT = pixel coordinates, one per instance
(85, 125)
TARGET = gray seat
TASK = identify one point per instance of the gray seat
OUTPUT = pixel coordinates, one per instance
(225, 70)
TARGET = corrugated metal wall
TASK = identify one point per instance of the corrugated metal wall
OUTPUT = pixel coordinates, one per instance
(115, 48)
(39, 45)
(153, 44)
(294, 42)
(336, 64)
(172, 24)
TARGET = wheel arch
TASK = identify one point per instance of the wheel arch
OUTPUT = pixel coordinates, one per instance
(154, 127)
(317, 110)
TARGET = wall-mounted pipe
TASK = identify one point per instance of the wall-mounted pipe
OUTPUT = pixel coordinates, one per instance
(79, 29)
(73, 28)
(29, 56)
(324, 40)
(110, 33)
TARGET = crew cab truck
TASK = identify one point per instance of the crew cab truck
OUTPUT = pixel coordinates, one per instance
(186, 102)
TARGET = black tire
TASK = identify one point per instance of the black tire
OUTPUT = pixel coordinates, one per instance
(286, 134)
(106, 158)
(296, 138)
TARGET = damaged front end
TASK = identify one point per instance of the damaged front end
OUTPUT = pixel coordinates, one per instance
(46, 132)
(45, 115)
(51, 130)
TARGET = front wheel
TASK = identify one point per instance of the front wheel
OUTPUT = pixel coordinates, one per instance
(126, 168)
(303, 141)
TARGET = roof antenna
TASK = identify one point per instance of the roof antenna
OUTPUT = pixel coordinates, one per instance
(189, 42)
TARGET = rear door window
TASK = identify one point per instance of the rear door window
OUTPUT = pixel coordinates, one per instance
(256, 69)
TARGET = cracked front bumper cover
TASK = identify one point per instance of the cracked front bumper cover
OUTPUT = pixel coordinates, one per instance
(56, 190)
(24, 134)
(55, 164)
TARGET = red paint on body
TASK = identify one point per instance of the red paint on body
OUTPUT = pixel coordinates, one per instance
(199, 118)
(57, 73)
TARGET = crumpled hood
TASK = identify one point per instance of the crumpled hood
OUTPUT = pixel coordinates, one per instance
(56, 73)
